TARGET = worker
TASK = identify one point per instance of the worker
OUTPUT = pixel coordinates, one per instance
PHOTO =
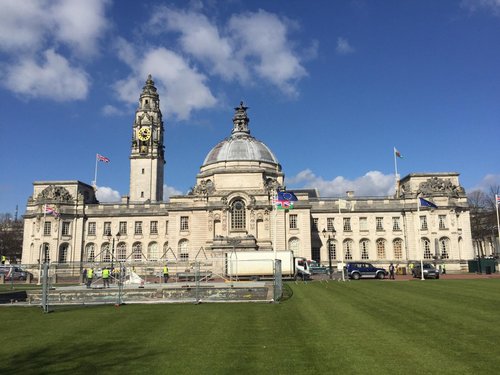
(165, 273)
(90, 275)
(105, 277)
(4, 258)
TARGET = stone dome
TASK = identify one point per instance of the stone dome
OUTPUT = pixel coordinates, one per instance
(240, 146)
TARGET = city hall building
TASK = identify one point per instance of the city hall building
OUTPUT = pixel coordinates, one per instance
(231, 208)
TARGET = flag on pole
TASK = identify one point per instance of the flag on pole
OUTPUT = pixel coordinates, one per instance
(51, 211)
(102, 158)
(497, 199)
(397, 153)
(285, 199)
(426, 203)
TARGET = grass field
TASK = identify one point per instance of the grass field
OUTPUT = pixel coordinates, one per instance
(364, 327)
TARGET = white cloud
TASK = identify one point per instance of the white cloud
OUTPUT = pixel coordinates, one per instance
(169, 191)
(373, 183)
(486, 5)
(37, 25)
(489, 181)
(80, 24)
(54, 78)
(262, 40)
(33, 33)
(183, 88)
(343, 46)
(202, 39)
(251, 46)
(106, 194)
(110, 110)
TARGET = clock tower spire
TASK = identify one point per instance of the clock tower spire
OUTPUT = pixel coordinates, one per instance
(147, 152)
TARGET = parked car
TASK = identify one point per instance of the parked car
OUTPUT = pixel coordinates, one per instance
(316, 268)
(359, 270)
(14, 272)
(430, 272)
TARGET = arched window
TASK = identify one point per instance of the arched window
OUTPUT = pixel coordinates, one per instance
(106, 252)
(348, 249)
(397, 246)
(63, 253)
(90, 252)
(381, 249)
(184, 250)
(294, 245)
(137, 252)
(444, 247)
(363, 246)
(121, 252)
(426, 248)
(153, 251)
(238, 215)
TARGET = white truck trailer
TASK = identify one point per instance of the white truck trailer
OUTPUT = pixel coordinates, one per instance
(260, 264)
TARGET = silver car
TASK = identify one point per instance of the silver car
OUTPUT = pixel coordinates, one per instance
(430, 272)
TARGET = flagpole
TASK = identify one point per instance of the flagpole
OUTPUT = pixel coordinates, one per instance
(95, 172)
(275, 226)
(420, 241)
(396, 177)
(498, 223)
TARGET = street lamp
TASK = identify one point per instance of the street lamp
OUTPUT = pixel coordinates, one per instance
(110, 236)
(331, 237)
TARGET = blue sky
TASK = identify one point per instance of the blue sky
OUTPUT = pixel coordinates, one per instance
(332, 87)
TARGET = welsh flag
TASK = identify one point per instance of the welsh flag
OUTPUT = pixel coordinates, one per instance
(397, 153)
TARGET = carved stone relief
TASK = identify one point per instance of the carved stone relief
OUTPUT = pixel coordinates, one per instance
(55, 193)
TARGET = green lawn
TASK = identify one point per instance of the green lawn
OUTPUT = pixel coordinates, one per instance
(363, 327)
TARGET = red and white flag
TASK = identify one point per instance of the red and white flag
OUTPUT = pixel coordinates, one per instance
(102, 158)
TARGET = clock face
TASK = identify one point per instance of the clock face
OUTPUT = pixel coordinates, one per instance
(144, 134)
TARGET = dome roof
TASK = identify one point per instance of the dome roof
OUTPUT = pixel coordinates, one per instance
(240, 145)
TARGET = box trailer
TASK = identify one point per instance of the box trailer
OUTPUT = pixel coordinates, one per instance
(260, 264)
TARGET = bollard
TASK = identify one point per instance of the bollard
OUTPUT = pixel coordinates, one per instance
(28, 278)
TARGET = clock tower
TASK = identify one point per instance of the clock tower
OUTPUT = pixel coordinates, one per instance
(147, 154)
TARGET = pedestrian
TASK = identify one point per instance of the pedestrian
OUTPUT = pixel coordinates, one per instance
(90, 275)
(84, 276)
(391, 272)
(444, 269)
(4, 258)
(165, 274)
(105, 277)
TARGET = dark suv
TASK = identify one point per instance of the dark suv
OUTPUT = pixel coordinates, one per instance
(358, 270)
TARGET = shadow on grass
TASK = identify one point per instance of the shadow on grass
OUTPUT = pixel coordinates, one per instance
(71, 358)
(287, 293)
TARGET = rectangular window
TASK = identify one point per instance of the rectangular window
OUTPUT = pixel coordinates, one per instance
(184, 223)
(333, 250)
(316, 254)
(330, 227)
(153, 227)
(395, 224)
(315, 225)
(47, 228)
(107, 228)
(123, 228)
(379, 223)
(138, 227)
(293, 221)
(92, 228)
(442, 222)
(65, 228)
(363, 223)
(423, 222)
(166, 227)
(347, 224)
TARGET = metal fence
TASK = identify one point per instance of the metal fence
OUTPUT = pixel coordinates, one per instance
(210, 280)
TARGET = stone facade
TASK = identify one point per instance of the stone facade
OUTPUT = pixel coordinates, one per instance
(231, 207)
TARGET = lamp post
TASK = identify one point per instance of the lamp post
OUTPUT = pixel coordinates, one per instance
(110, 236)
(331, 237)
